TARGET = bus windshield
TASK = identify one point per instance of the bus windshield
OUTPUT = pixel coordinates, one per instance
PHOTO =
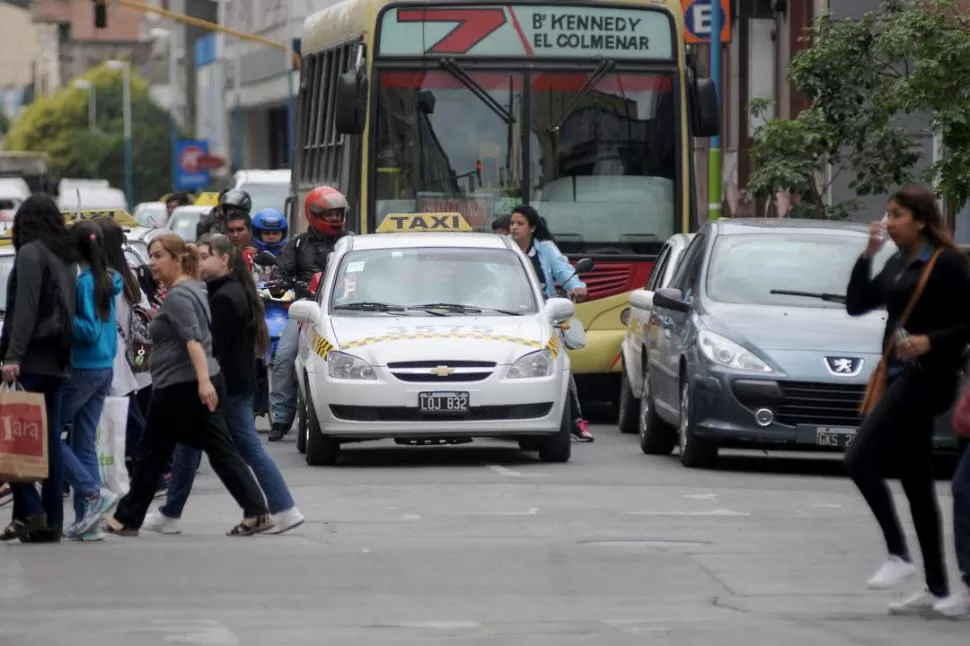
(601, 150)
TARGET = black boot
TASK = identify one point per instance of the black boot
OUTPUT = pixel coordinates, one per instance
(277, 432)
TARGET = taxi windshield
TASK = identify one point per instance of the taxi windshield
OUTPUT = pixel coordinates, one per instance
(436, 281)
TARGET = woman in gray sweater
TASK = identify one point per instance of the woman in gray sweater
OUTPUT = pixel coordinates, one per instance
(188, 393)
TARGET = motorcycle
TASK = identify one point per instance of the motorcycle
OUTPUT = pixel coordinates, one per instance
(276, 312)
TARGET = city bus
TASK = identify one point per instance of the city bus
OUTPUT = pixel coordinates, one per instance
(586, 110)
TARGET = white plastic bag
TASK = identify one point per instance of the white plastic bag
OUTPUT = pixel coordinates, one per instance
(573, 334)
(111, 445)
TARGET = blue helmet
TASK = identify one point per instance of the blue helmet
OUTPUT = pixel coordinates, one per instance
(269, 220)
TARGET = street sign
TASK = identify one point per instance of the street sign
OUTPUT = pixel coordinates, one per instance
(190, 174)
(697, 21)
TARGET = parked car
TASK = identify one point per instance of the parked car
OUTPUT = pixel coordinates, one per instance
(750, 345)
(633, 347)
(185, 220)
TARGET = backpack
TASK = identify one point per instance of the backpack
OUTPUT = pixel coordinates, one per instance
(138, 341)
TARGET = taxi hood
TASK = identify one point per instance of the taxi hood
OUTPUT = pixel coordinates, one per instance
(380, 341)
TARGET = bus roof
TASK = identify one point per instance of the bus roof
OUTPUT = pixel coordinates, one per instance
(349, 19)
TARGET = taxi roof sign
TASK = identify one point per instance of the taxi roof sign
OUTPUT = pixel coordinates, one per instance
(423, 223)
(121, 217)
(207, 199)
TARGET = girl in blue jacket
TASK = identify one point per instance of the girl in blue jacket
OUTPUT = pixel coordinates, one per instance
(95, 344)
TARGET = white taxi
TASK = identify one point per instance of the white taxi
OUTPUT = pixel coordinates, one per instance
(431, 338)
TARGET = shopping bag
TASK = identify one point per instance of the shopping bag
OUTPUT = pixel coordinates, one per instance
(111, 445)
(573, 334)
(23, 435)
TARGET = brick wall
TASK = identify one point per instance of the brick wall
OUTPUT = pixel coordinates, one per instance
(123, 23)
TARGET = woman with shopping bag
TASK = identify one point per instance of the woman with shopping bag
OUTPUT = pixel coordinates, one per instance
(35, 348)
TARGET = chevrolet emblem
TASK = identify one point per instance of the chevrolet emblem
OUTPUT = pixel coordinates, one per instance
(442, 371)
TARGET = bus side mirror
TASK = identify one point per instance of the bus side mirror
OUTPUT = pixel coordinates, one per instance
(351, 103)
(705, 109)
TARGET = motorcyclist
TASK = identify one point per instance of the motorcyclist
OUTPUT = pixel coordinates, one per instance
(325, 210)
(233, 200)
(270, 231)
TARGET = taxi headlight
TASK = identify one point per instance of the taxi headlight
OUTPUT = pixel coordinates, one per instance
(341, 365)
(534, 364)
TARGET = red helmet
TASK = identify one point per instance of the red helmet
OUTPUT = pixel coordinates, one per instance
(325, 209)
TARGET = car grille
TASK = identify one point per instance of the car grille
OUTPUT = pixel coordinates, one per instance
(820, 404)
(434, 364)
(429, 378)
(406, 414)
(421, 371)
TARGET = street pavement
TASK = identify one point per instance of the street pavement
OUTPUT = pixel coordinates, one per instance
(482, 545)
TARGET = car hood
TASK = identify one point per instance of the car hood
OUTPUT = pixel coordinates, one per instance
(797, 328)
(380, 341)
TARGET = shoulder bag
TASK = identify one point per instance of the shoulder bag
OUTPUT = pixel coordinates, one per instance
(879, 380)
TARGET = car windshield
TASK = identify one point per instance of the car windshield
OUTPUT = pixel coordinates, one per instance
(151, 214)
(267, 196)
(746, 268)
(448, 281)
(6, 266)
(184, 223)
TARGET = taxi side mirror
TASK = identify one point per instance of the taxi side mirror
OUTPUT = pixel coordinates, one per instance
(305, 312)
(560, 309)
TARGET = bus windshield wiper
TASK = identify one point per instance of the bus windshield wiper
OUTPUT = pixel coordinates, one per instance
(369, 306)
(601, 70)
(822, 296)
(450, 66)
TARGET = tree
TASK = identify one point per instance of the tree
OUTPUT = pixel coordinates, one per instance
(4, 123)
(58, 124)
(909, 58)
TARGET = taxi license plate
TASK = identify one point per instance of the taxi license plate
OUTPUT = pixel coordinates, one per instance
(837, 437)
(443, 402)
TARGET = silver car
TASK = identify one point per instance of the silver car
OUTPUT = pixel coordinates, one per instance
(750, 345)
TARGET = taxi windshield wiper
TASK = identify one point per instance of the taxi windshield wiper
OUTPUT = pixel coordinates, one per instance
(450, 66)
(369, 306)
(601, 70)
(822, 296)
(458, 308)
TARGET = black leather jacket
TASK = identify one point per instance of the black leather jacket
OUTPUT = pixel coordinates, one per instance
(304, 256)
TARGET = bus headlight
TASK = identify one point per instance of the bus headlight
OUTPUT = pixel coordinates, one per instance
(625, 316)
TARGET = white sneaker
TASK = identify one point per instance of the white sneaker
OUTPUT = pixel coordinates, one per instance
(286, 520)
(159, 522)
(921, 603)
(955, 606)
(893, 572)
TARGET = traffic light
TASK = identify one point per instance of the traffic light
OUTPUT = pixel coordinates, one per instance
(100, 14)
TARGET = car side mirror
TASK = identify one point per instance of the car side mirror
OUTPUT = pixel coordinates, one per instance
(670, 299)
(264, 259)
(304, 311)
(560, 309)
(351, 103)
(642, 299)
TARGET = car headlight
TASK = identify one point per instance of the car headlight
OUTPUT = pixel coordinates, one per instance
(534, 364)
(341, 365)
(729, 354)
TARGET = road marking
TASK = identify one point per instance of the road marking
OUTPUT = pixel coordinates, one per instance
(505, 471)
(532, 511)
(202, 632)
(410, 517)
(441, 625)
(712, 512)
(828, 506)
(701, 496)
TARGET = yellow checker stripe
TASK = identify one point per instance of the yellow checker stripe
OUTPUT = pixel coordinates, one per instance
(385, 338)
(554, 346)
(320, 345)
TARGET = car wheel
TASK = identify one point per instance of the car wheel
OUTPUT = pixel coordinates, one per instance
(628, 410)
(321, 450)
(558, 446)
(301, 422)
(695, 453)
(657, 437)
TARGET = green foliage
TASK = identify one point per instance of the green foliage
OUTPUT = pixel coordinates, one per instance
(4, 123)
(865, 79)
(58, 125)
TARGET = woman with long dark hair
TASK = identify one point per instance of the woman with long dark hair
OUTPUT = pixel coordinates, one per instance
(95, 345)
(928, 280)
(530, 232)
(35, 348)
(188, 398)
(132, 308)
(239, 337)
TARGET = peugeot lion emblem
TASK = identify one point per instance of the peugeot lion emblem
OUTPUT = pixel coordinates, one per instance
(442, 371)
(843, 366)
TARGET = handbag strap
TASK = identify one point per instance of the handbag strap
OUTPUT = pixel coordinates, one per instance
(911, 305)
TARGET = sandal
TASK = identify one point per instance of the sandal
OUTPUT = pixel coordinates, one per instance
(263, 523)
(120, 530)
(19, 529)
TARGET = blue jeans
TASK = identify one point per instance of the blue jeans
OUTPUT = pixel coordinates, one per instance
(242, 428)
(961, 513)
(282, 399)
(26, 501)
(84, 395)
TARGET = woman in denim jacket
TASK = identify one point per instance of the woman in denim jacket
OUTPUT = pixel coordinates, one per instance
(532, 235)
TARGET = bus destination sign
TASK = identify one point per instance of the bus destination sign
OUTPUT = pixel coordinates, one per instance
(527, 30)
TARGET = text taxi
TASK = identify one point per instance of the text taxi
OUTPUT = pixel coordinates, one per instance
(431, 338)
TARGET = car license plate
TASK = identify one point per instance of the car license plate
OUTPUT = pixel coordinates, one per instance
(836, 437)
(443, 402)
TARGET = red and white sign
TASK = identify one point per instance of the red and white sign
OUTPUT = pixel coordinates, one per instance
(189, 159)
